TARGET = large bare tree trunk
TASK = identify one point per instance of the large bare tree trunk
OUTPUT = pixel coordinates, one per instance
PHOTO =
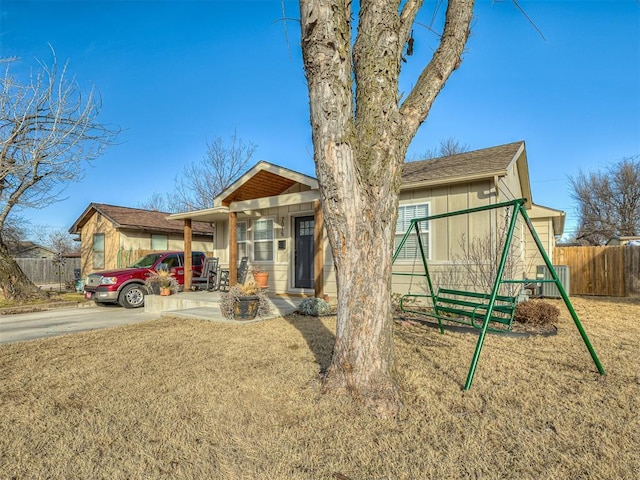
(14, 284)
(359, 149)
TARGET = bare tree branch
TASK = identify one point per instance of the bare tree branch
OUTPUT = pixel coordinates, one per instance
(49, 132)
(200, 182)
(448, 146)
(608, 202)
(445, 60)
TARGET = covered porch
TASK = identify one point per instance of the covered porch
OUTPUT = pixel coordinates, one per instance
(273, 216)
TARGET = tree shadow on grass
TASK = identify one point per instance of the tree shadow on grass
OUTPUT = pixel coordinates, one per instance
(319, 338)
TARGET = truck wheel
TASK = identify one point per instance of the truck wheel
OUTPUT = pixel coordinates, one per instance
(132, 296)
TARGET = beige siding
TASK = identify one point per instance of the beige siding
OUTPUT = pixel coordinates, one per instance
(544, 229)
(448, 237)
(95, 225)
(451, 237)
(124, 247)
(509, 185)
(134, 240)
(281, 269)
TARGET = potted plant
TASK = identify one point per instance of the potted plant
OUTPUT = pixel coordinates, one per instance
(260, 276)
(244, 302)
(162, 282)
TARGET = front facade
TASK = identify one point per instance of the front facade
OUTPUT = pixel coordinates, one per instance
(272, 215)
(113, 237)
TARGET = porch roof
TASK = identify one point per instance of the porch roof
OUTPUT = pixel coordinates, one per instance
(263, 186)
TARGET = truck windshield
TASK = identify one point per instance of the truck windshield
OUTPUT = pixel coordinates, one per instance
(147, 261)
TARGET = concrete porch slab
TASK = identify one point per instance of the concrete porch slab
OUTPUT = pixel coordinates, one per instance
(206, 306)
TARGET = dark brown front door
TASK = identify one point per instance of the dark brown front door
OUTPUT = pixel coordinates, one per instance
(304, 251)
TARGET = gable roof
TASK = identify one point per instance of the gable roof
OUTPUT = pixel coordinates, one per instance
(126, 218)
(264, 179)
(468, 166)
(18, 248)
(262, 186)
(269, 181)
(557, 217)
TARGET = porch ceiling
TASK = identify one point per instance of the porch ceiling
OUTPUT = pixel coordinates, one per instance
(262, 184)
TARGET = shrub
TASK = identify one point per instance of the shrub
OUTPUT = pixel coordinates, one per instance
(314, 307)
(240, 291)
(536, 312)
(162, 278)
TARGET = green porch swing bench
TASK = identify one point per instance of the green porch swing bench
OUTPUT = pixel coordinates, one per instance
(484, 311)
(466, 308)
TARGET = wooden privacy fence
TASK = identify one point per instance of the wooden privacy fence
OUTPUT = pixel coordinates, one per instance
(608, 271)
(45, 270)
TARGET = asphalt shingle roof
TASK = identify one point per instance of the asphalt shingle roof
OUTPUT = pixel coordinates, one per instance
(486, 161)
(146, 220)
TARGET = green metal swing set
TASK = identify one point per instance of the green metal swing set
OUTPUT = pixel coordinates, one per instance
(484, 311)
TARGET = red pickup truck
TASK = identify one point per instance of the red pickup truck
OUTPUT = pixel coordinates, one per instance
(126, 285)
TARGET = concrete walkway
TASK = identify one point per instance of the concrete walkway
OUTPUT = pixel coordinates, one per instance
(205, 305)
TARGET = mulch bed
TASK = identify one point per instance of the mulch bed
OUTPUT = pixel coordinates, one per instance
(517, 329)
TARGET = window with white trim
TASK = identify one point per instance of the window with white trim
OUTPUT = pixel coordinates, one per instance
(159, 242)
(242, 239)
(406, 213)
(263, 240)
(98, 250)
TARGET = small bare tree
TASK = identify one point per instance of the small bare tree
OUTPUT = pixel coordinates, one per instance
(200, 182)
(448, 146)
(479, 260)
(62, 242)
(13, 230)
(159, 202)
(49, 132)
(608, 202)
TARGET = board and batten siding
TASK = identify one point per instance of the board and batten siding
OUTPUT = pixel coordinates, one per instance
(98, 224)
(449, 237)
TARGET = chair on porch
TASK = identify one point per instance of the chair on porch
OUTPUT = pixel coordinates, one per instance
(243, 267)
(209, 275)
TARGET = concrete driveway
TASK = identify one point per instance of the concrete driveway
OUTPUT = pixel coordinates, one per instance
(29, 326)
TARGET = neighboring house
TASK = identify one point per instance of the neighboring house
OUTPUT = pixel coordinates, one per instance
(113, 237)
(549, 225)
(272, 215)
(28, 249)
(630, 240)
(41, 264)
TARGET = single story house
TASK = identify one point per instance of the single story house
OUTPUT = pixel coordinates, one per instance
(28, 249)
(273, 216)
(629, 240)
(113, 237)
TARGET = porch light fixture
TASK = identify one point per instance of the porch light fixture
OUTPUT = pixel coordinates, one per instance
(282, 227)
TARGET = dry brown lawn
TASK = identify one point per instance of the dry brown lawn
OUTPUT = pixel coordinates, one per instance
(197, 400)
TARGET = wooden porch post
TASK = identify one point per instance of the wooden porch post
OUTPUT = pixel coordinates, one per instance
(318, 254)
(233, 248)
(187, 253)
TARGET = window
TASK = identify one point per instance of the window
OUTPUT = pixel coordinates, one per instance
(98, 250)
(242, 239)
(196, 260)
(263, 240)
(159, 242)
(405, 214)
(169, 262)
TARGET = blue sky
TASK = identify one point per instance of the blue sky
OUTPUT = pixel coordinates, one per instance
(175, 74)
